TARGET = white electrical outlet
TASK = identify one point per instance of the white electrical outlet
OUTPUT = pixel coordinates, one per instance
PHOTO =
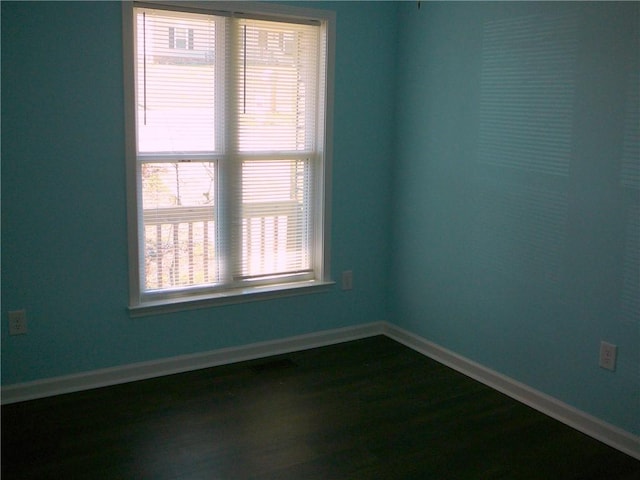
(347, 280)
(18, 322)
(608, 353)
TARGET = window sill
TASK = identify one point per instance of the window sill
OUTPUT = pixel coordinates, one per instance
(230, 297)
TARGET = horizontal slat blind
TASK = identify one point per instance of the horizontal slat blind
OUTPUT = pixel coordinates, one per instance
(176, 81)
(277, 78)
(276, 218)
(277, 86)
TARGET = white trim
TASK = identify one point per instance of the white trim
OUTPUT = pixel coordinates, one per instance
(564, 413)
(184, 363)
(230, 297)
(550, 406)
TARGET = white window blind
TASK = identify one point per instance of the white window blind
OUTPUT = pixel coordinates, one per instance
(229, 153)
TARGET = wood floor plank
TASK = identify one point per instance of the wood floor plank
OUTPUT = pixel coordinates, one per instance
(368, 409)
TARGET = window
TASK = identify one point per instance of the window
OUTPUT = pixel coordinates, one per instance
(180, 37)
(227, 152)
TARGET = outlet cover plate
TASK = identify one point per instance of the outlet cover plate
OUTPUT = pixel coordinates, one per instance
(347, 280)
(608, 353)
(18, 322)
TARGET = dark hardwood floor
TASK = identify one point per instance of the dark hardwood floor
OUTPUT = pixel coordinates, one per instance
(369, 409)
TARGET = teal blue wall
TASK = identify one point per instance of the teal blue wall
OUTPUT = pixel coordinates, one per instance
(516, 192)
(64, 242)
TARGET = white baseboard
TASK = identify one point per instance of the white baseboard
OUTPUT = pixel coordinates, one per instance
(581, 421)
(588, 424)
(184, 363)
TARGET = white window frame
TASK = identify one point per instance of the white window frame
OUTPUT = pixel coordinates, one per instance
(183, 299)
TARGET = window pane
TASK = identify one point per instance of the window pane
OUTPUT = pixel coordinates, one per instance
(275, 217)
(277, 79)
(175, 69)
(179, 224)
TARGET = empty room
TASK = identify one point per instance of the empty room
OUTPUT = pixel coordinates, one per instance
(320, 240)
